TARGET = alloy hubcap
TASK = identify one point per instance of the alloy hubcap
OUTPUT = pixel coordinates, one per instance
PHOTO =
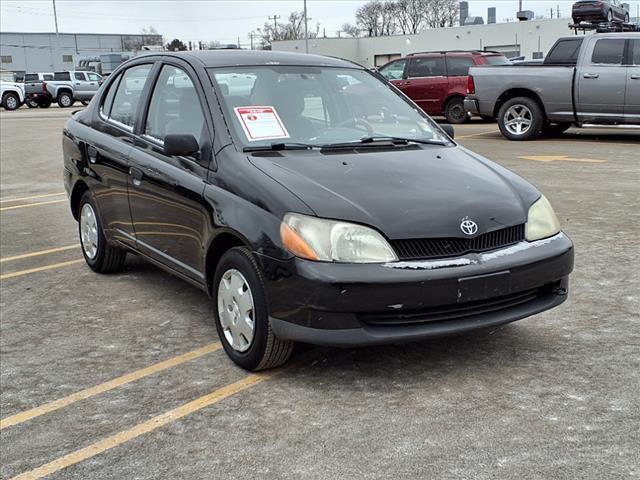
(65, 100)
(518, 119)
(236, 310)
(11, 103)
(89, 231)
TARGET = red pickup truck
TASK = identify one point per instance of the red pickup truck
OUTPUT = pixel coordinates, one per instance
(437, 81)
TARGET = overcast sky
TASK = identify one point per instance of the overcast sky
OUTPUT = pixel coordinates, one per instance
(211, 19)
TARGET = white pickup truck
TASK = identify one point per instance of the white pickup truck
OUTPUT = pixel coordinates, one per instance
(67, 87)
(593, 79)
(12, 94)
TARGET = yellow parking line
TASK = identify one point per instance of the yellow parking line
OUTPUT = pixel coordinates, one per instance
(476, 134)
(142, 428)
(36, 204)
(37, 254)
(39, 269)
(33, 197)
(106, 386)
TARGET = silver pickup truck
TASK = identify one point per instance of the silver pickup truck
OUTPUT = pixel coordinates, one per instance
(67, 87)
(593, 79)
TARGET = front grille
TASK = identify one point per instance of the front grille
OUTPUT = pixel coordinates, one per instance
(455, 311)
(421, 248)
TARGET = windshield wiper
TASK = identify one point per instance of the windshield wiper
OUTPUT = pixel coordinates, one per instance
(280, 146)
(372, 140)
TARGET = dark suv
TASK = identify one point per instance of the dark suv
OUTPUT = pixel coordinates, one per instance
(596, 10)
(437, 81)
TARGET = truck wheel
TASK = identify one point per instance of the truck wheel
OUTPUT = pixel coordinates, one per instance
(65, 100)
(521, 118)
(45, 102)
(241, 314)
(554, 129)
(31, 103)
(10, 101)
(99, 255)
(455, 112)
(610, 16)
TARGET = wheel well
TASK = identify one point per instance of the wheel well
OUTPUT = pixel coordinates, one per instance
(453, 97)
(223, 242)
(78, 190)
(513, 93)
(65, 90)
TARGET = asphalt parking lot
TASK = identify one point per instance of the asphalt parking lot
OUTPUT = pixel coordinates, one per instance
(121, 376)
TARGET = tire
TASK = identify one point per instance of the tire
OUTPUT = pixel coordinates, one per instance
(454, 111)
(65, 99)
(626, 18)
(31, 103)
(45, 103)
(555, 129)
(576, 20)
(263, 350)
(99, 255)
(10, 101)
(487, 118)
(525, 112)
(609, 16)
(84, 102)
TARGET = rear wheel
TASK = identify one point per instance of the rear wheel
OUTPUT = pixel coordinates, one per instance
(45, 102)
(65, 100)
(99, 255)
(455, 112)
(610, 16)
(241, 313)
(84, 102)
(521, 118)
(10, 101)
(31, 103)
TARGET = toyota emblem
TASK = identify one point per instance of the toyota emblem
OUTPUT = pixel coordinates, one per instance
(468, 227)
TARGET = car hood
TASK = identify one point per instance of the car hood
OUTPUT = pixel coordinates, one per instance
(404, 192)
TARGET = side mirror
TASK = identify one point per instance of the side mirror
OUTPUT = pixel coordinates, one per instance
(448, 129)
(181, 144)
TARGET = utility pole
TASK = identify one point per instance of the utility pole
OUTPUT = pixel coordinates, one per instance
(558, 12)
(239, 42)
(251, 34)
(55, 17)
(306, 29)
(275, 23)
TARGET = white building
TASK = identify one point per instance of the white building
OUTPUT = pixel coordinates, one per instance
(531, 39)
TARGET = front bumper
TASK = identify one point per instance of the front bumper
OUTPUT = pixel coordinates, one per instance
(349, 305)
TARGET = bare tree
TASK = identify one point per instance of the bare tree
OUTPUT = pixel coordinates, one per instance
(411, 15)
(350, 29)
(377, 18)
(292, 30)
(442, 13)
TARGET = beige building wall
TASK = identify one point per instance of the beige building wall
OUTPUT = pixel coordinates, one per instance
(525, 38)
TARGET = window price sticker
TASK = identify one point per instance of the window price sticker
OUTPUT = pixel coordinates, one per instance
(261, 123)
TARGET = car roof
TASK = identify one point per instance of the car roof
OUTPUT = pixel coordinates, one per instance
(485, 53)
(230, 58)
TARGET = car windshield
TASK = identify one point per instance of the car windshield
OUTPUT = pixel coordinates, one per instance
(317, 106)
(497, 60)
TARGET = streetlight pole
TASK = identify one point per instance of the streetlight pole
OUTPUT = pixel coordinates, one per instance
(306, 29)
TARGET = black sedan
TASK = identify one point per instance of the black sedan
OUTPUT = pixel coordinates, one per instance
(600, 11)
(311, 199)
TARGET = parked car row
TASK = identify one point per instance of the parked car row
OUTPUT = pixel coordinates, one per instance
(42, 89)
(583, 80)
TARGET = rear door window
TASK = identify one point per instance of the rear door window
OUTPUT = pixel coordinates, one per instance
(31, 77)
(565, 52)
(127, 96)
(107, 100)
(459, 66)
(609, 51)
(635, 52)
(427, 67)
(62, 76)
(79, 76)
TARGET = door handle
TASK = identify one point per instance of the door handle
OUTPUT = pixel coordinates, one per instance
(77, 83)
(635, 77)
(591, 75)
(136, 176)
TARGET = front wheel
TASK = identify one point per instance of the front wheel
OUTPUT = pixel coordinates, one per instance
(10, 101)
(521, 118)
(241, 313)
(609, 16)
(99, 255)
(455, 112)
(65, 100)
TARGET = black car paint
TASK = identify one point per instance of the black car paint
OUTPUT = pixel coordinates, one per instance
(598, 10)
(182, 212)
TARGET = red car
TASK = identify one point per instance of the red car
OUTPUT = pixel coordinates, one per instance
(437, 81)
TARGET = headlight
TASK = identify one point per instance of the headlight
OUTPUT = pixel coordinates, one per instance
(542, 221)
(331, 241)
